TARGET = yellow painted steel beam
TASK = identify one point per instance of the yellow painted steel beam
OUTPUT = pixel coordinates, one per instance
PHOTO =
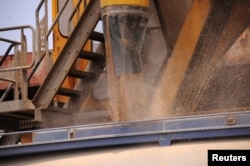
(144, 3)
(223, 27)
(174, 73)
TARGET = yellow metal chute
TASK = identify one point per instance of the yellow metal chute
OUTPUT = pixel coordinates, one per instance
(144, 3)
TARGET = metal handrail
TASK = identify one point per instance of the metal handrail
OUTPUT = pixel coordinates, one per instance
(76, 9)
(7, 80)
(72, 15)
(57, 18)
(33, 47)
(9, 41)
(59, 13)
(12, 44)
(12, 83)
(45, 3)
(54, 23)
(6, 53)
(7, 91)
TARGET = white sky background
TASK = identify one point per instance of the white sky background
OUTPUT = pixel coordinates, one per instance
(16, 13)
(22, 12)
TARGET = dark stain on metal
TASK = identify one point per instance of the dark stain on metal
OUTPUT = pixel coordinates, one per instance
(231, 121)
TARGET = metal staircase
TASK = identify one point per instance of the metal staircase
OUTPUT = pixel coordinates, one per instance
(84, 87)
(71, 51)
(62, 68)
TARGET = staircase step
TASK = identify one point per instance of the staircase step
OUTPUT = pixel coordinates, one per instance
(80, 74)
(91, 56)
(97, 36)
(68, 92)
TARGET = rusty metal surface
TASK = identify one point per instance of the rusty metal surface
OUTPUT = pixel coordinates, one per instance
(24, 66)
(36, 80)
